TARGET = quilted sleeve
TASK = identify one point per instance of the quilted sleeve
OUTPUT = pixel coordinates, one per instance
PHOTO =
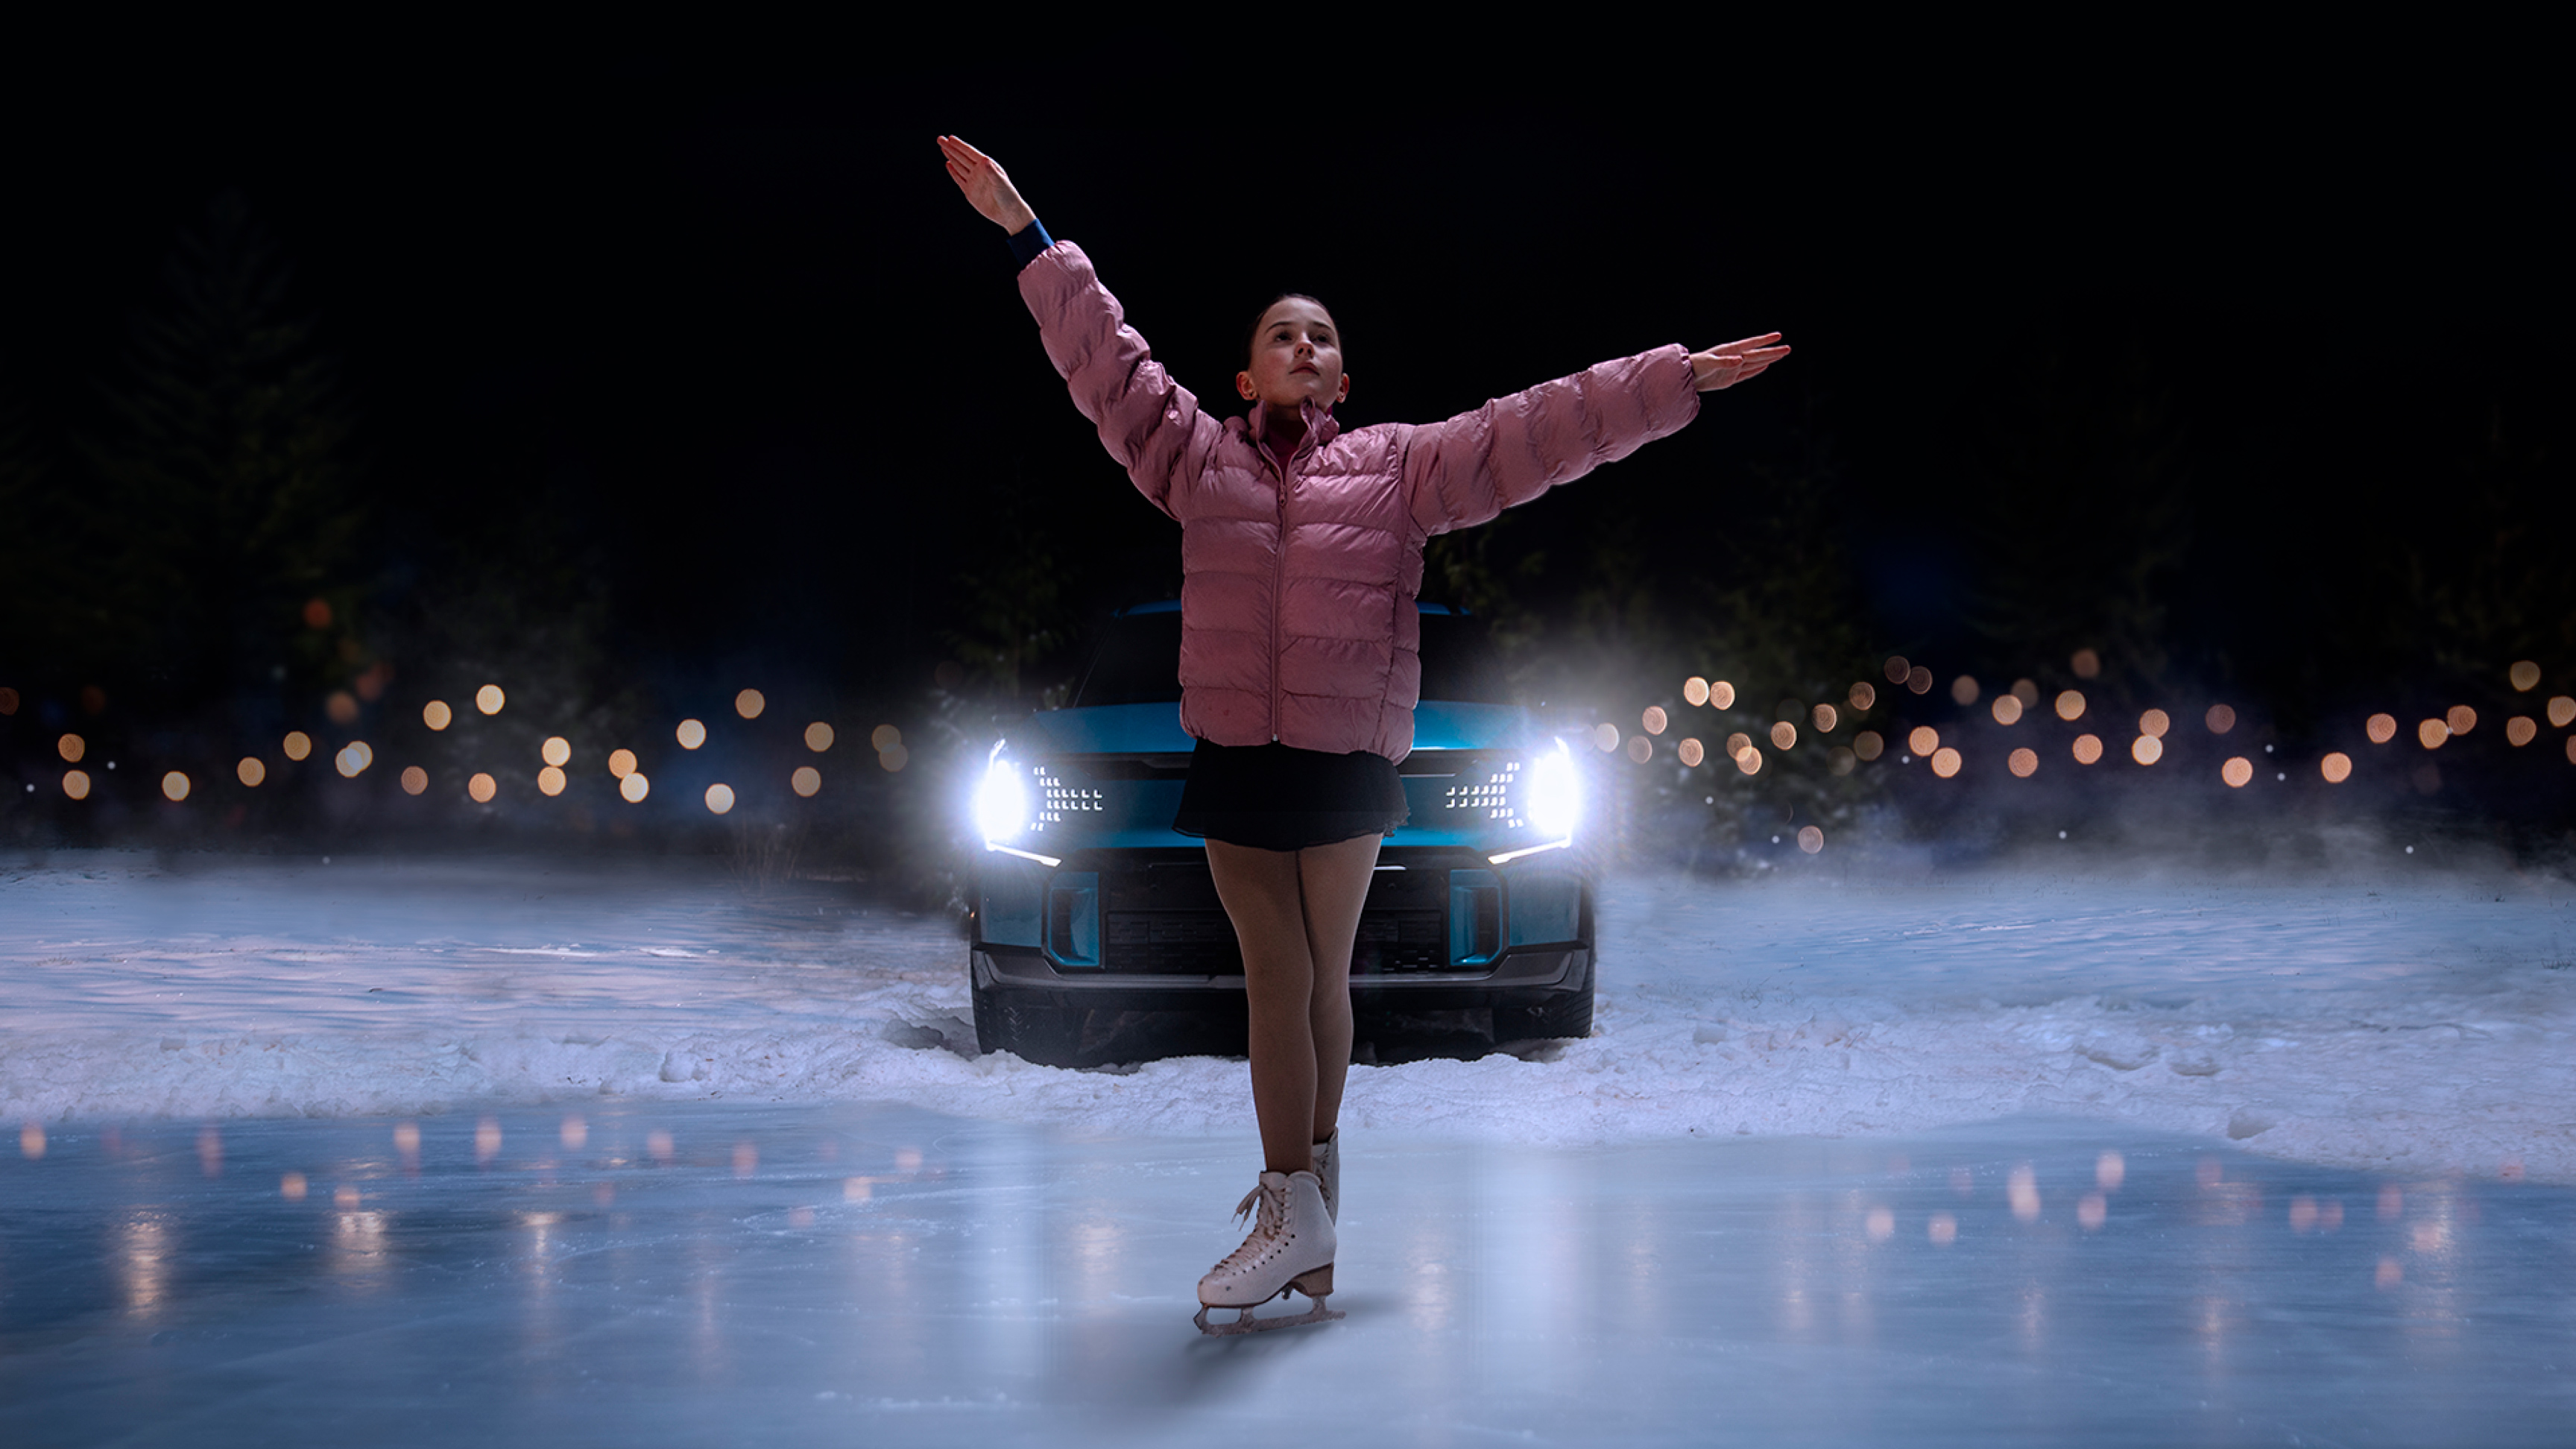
(1463, 472)
(1149, 423)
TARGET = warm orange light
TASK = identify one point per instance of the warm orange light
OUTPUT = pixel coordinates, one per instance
(634, 787)
(1749, 760)
(719, 798)
(1945, 762)
(2237, 772)
(818, 737)
(1654, 719)
(555, 751)
(550, 781)
(2027, 691)
(2146, 749)
(1840, 760)
(71, 748)
(621, 763)
(2023, 762)
(174, 787)
(342, 707)
(806, 781)
(1923, 740)
(2562, 711)
(2088, 749)
(1899, 669)
(489, 699)
(415, 780)
(2007, 709)
(1811, 839)
(1919, 680)
(2571, 751)
(482, 787)
(292, 1187)
(1824, 717)
(2086, 664)
(1963, 690)
(691, 734)
(8, 700)
(1692, 753)
(76, 784)
(2525, 675)
(2381, 728)
(2220, 719)
(1641, 749)
(353, 759)
(487, 1139)
(1695, 691)
(317, 613)
(2154, 723)
(749, 704)
(1783, 735)
(2460, 718)
(1721, 695)
(1868, 745)
(2070, 705)
(1863, 695)
(2520, 731)
(893, 758)
(2336, 767)
(1737, 743)
(2432, 732)
(436, 714)
(251, 771)
(296, 745)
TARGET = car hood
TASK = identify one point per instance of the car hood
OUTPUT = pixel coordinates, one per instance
(1155, 729)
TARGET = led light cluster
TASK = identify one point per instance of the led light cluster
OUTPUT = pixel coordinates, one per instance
(1493, 798)
(1061, 799)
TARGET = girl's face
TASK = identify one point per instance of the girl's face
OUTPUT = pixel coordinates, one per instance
(1296, 358)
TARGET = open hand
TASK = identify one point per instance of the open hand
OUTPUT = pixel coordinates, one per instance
(1732, 363)
(987, 186)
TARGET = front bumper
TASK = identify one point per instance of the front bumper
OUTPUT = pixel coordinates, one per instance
(1520, 976)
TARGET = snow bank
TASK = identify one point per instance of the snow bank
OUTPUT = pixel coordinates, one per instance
(2417, 1023)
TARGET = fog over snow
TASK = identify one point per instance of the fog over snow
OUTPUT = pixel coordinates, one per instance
(2402, 1018)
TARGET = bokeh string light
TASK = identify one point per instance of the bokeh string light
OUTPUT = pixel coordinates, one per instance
(489, 699)
(749, 704)
(805, 781)
(2023, 762)
(2088, 749)
(251, 771)
(1695, 691)
(437, 715)
(296, 746)
(1691, 753)
(818, 737)
(690, 734)
(2381, 728)
(1654, 719)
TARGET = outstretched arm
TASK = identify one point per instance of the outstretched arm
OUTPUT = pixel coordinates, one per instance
(1466, 470)
(987, 186)
(1149, 423)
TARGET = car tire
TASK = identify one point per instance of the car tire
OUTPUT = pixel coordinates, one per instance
(1046, 1035)
(1567, 1014)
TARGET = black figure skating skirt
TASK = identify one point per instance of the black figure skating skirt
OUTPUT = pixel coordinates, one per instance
(1274, 797)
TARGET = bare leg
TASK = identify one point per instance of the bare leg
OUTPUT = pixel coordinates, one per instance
(1298, 1025)
(1336, 881)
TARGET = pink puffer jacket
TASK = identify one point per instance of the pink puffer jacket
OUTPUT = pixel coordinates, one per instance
(1297, 597)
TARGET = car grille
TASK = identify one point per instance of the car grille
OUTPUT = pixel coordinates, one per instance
(1201, 943)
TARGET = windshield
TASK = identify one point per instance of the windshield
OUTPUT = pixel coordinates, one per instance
(1140, 662)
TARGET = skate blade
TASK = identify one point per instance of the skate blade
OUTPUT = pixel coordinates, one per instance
(1245, 1322)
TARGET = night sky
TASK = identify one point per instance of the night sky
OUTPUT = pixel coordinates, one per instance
(706, 326)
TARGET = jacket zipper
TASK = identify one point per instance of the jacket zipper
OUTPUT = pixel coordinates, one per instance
(1279, 586)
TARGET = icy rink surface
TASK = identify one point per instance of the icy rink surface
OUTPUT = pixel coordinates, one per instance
(2414, 1021)
(721, 1273)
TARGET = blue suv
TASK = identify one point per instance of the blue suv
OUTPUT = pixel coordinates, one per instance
(1087, 904)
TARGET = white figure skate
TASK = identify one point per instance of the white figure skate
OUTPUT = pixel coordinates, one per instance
(1328, 1171)
(1290, 1250)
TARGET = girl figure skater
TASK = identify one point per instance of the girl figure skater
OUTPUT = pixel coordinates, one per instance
(1301, 555)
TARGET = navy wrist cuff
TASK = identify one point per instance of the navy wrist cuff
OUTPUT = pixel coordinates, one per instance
(1030, 240)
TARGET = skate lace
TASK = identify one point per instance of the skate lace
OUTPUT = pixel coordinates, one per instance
(1273, 1206)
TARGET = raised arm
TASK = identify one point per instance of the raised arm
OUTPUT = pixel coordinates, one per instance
(1149, 423)
(1463, 472)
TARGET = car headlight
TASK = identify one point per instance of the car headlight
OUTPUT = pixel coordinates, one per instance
(1553, 801)
(1001, 801)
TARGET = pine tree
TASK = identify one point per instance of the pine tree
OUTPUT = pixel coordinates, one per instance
(227, 476)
